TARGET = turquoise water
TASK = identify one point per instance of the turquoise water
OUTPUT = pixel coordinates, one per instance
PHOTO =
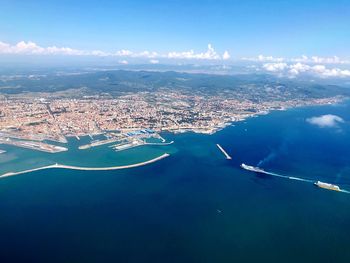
(19, 159)
(194, 206)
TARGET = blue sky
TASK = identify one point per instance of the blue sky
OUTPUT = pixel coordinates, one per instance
(243, 28)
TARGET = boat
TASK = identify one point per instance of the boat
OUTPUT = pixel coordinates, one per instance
(252, 168)
(327, 186)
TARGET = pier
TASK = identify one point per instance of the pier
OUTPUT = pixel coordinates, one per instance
(99, 143)
(228, 157)
(159, 143)
(62, 166)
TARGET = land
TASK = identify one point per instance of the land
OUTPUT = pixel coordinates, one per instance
(52, 107)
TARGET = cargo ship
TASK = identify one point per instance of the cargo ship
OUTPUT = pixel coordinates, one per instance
(327, 186)
(252, 168)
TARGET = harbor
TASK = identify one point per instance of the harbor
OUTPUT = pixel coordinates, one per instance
(99, 143)
(128, 140)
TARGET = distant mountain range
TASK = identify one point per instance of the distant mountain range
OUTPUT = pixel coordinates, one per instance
(261, 87)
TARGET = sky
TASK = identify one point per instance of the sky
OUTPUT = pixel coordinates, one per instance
(161, 30)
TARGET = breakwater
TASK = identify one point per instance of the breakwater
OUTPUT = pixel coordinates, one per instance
(62, 166)
(228, 157)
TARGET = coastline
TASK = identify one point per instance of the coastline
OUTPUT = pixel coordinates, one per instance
(208, 130)
(70, 167)
(234, 119)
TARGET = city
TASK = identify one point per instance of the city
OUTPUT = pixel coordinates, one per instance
(55, 119)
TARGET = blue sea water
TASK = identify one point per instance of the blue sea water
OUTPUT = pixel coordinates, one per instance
(194, 206)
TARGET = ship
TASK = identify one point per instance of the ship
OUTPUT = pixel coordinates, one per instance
(252, 168)
(327, 186)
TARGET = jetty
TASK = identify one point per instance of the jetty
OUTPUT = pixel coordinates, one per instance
(62, 166)
(228, 157)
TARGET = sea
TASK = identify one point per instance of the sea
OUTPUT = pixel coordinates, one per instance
(193, 206)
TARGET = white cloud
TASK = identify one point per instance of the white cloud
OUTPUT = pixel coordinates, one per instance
(334, 72)
(298, 68)
(275, 67)
(269, 58)
(99, 53)
(293, 70)
(323, 60)
(326, 121)
(125, 62)
(226, 55)
(302, 59)
(31, 48)
(154, 61)
(123, 53)
(210, 54)
(147, 54)
(262, 58)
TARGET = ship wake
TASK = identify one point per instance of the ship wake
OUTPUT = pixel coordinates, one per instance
(318, 183)
(290, 177)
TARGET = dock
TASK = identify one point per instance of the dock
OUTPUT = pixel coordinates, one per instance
(228, 157)
(98, 143)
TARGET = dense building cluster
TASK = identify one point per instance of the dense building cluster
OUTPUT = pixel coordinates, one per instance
(55, 118)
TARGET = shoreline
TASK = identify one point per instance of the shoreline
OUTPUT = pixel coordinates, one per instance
(209, 130)
(71, 167)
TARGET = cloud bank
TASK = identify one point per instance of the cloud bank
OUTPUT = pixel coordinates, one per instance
(292, 67)
(31, 48)
(293, 70)
(326, 121)
(302, 59)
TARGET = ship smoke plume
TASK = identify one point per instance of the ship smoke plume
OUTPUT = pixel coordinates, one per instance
(282, 149)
